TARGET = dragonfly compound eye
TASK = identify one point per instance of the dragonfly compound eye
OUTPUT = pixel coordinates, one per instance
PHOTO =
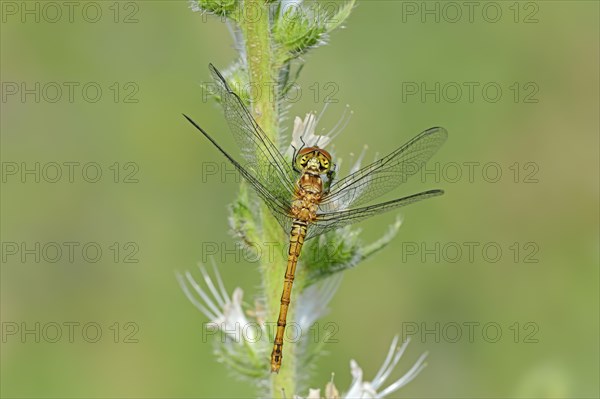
(301, 161)
(325, 163)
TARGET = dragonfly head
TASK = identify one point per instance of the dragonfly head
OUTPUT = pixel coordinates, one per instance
(314, 159)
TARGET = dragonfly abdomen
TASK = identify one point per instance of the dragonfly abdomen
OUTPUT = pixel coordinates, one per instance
(304, 207)
(297, 234)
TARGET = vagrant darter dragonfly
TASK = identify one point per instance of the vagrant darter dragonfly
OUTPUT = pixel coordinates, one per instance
(304, 196)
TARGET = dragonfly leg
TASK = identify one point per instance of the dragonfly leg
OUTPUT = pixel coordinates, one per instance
(294, 166)
(330, 178)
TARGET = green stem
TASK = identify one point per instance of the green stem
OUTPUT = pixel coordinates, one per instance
(260, 62)
(262, 71)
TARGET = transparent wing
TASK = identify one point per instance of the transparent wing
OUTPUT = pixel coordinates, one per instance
(335, 220)
(262, 158)
(384, 174)
(279, 208)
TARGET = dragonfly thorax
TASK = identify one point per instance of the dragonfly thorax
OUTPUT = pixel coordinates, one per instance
(307, 196)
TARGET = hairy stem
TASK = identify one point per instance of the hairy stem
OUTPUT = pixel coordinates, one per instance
(259, 59)
(262, 72)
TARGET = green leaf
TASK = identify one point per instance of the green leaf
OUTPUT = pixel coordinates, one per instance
(295, 31)
(299, 28)
(330, 253)
(340, 250)
(222, 8)
(336, 20)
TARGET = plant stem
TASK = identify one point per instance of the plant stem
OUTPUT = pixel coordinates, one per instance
(262, 71)
(259, 59)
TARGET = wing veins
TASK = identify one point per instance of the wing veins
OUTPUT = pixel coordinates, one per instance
(242, 112)
(336, 220)
(362, 212)
(258, 186)
(390, 167)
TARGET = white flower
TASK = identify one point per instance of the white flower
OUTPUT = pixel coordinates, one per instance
(304, 134)
(244, 344)
(360, 389)
(224, 313)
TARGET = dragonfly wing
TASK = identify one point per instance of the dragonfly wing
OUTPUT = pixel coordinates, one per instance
(279, 208)
(328, 221)
(263, 159)
(384, 174)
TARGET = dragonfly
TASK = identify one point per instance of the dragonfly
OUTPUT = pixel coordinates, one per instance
(304, 196)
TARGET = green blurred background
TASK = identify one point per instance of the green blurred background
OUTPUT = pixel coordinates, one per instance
(163, 53)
